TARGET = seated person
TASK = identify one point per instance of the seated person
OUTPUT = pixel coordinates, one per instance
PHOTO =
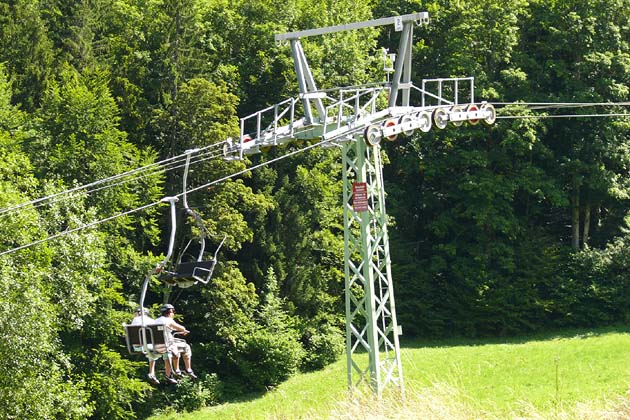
(140, 315)
(179, 345)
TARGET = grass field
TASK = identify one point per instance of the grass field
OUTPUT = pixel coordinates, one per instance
(572, 375)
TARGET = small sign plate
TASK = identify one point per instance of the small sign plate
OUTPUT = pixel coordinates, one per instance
(359, 196)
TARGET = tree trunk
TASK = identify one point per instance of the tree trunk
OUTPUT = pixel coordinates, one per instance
(587, 224)
(575, 216)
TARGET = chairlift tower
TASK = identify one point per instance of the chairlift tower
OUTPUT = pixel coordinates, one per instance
(357, 118)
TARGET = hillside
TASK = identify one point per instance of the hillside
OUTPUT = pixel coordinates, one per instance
(577, 374)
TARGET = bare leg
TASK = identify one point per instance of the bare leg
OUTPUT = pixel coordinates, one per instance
(167, 367)
(151, 376)
(176, 362)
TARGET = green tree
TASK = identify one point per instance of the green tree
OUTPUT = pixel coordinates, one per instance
(35, 378)
(583, 57)
(272, 352)
(203, 116)
(26, 49)
(78, 141)
(457, 195)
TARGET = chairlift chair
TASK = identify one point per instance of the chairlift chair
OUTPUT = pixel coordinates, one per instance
(187, 273)
(151, 340)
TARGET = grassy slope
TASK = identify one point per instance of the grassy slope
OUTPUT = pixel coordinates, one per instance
(544, 377)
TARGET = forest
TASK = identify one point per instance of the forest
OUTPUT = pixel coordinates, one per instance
(494, 231)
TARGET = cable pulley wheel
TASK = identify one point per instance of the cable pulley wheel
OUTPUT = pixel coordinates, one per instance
(440, 118)
(457, 109)
(473, 108)
(390, 123)
(424, 118)
(372, 134)
(405, 119)
(489, 112)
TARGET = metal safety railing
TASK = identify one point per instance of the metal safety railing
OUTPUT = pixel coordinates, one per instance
(448, 91)
(352, 109)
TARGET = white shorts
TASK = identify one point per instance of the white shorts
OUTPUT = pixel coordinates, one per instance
(180, 346)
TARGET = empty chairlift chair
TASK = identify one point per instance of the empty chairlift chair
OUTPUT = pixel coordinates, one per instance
(189, 269)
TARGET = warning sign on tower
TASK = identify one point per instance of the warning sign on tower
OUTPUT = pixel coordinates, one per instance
(359, 196)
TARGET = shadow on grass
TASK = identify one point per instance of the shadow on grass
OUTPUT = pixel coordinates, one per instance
(235, 393)
(545, 335)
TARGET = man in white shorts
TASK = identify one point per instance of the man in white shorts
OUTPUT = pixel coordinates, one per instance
(179, 345)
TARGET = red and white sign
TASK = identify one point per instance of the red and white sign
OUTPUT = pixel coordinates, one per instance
(359, 196)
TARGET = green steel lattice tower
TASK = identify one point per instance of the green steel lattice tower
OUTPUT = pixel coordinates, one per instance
(371, 325)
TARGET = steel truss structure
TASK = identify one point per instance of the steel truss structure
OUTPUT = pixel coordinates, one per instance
(371, 325)
(357, 118)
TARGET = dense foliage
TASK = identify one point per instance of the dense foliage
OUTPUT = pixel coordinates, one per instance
(495, 230)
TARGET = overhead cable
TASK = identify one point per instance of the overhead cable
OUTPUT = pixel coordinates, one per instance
(107, 219)
(134, 172)
(563, 116)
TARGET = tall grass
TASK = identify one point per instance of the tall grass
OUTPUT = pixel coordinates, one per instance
(443, 402)
(436, 402)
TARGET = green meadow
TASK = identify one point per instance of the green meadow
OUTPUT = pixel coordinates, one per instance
(570, 375)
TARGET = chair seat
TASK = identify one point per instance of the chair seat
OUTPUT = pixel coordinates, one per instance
(195, 270)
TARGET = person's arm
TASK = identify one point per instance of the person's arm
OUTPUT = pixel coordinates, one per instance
(179, 328)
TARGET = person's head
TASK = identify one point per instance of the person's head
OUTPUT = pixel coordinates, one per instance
(167, 309)
(141, 311)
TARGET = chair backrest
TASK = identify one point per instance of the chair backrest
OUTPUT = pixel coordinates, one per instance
(155, 336)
